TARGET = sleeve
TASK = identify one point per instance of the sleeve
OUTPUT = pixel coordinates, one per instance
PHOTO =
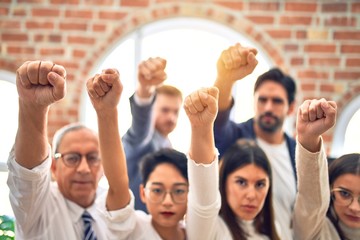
(29, 190)
(313, 197)
(224, 130)
(204, 200)
(141, 125)
(121, 223)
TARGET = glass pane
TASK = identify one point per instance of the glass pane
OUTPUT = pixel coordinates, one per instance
(352, 135)
(8, 122)
(123, 59)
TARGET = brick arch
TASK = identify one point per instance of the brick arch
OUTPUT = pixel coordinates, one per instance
(213, 13)
(71, 106)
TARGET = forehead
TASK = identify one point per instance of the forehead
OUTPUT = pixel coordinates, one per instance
(167, 174)
(271, 89)
(165, 100)
(80, 138)
(348, 181)
(249, 172)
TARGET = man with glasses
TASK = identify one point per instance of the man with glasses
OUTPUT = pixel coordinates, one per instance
(71, 207)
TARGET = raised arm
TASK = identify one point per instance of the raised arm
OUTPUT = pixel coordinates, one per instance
(104, 91)
(201, 109)
(151, 73)
(234, 63)
(314, 118)
(39, 84)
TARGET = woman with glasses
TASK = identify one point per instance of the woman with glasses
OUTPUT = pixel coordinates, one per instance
(328, 201)
(238, 206)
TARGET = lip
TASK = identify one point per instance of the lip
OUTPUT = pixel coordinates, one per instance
(353, 218)
(167, 214)
(249, 208)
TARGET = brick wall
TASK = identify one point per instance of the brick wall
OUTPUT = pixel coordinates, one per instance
(318, 42)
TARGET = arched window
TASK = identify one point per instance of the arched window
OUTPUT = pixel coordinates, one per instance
(191, 47)
(347, 132)
(8, 127)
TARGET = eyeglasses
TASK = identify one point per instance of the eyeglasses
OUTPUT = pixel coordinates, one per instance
(343, 197)
(73, 159)
(156, 194)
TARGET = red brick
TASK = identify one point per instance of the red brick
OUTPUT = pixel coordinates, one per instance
(261, 19)
(45, 12)
(112, 15)
(65, 2)
(312, 74)
(308, 86)
(327, 88)
(350, 75)
(347, 35)
(39, 25)
(234, 5)
(56, 38)
(323, 48)
(5, 1)
(52, 51)
(301, 34)
(4, 11)
(134, 3)
(73, 26)
(79, 53)
(279, 34)
(297, 61)
(291, 47)
(264, 6)
(341, 21)
(99, 27)
(317, 61)
(81, 40)
(295, 20)
(20, 50)
(334, 7)
(19, 12)
(9, 24)
(14, 37)
(300, 7)
(82, 14)
(353, 62)
(355, 7)
(347, 48)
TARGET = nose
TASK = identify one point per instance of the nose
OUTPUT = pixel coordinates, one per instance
(268, 105)
(83, 166)
(250, 194)
(167, 199)
(355, 205)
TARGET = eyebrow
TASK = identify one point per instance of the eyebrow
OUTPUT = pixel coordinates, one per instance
(242, 178)
(175, 184)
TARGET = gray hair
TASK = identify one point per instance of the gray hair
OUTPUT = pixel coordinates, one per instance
(59, 134)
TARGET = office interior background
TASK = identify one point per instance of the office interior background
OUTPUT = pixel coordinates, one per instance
(315, 41)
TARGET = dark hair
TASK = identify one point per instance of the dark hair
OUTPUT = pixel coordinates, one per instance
(348, 163)
(276, 75)
(240, 154)
(166, 155)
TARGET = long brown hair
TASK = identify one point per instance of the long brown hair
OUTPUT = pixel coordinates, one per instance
(240, 154)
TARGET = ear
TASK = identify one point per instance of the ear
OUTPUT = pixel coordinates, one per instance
(53, 168)
(291, 108)
(142, 193)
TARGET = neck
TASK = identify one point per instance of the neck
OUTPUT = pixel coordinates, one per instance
(169, 233)
(276, 137)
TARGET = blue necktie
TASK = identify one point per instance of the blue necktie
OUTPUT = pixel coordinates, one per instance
(89, 233)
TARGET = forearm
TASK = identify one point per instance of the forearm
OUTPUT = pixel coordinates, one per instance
(202, 146)
(31, 143)
(113, 159)
(225, 90)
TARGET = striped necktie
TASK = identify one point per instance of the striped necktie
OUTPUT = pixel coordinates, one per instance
(89, 233)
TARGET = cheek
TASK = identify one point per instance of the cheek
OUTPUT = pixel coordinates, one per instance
(234, 196)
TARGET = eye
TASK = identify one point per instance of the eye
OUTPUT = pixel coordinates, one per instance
(157, 191)
(345, 194)
(241, 182)
(260, 184)
(72, 158)
(278, 101)
(178, 191)
(92, 157)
